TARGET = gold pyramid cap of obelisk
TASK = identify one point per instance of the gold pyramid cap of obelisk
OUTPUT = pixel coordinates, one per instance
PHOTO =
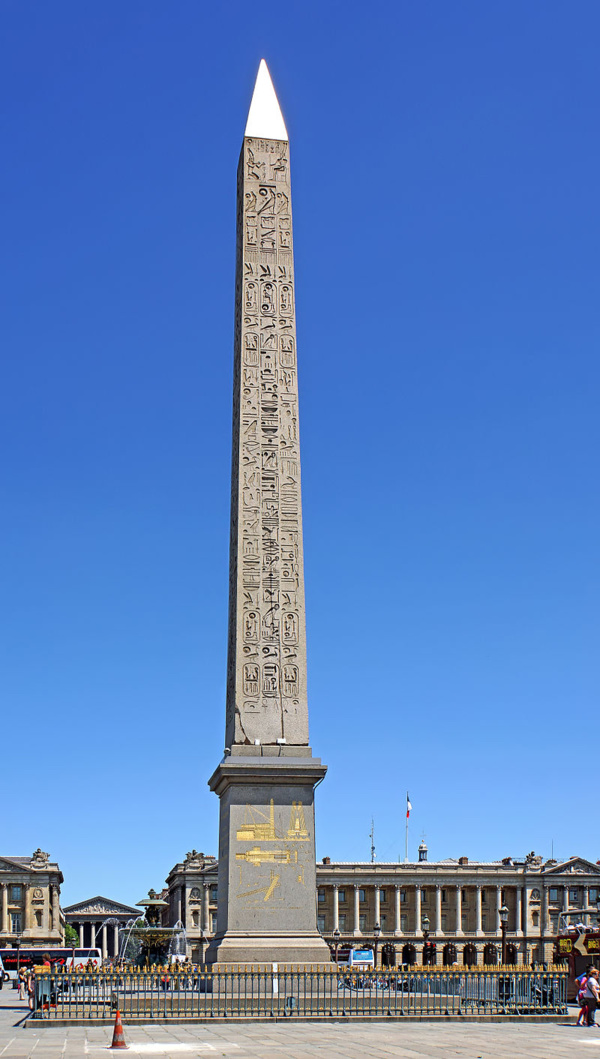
(265, 120)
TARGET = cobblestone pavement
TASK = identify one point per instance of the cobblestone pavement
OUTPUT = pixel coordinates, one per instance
(299, 1040)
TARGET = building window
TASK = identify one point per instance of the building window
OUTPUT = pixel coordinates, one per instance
(15, 922)
(464, 896)
(15, 893)
(362, 922)
(594, 891)
(444, 919)
(424, 896)
(403, 895)
(463, 920)
(321, 923)
(403, 921)
(484, 921)
(553, 923)
(382, 921)
(554, 893)
(213, 921)
(321, 897)
(38, 919)
(342, 921)
(213, 893)
(484, 897)
(573, 895)
(342, 896)
(444, 898)
(535, 919)
(382, 896)
(195, 919)
(361, 895)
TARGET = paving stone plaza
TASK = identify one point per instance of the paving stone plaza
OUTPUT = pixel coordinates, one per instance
(302, 1040)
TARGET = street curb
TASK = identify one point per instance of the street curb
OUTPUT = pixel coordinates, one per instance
(43, 1024)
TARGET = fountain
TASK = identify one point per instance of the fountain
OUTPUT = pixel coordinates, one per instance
(158, 944)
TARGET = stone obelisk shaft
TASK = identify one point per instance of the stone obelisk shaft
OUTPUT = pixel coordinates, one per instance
(266, 781)
(266, 690)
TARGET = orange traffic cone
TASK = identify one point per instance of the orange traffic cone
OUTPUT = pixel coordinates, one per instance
(118, 1040)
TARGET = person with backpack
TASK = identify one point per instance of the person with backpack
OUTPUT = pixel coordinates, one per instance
(583, 1013)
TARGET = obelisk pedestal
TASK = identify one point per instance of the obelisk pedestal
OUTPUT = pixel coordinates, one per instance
(266, 781)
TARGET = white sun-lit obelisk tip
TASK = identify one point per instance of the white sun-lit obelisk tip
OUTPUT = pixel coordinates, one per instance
(265, 119)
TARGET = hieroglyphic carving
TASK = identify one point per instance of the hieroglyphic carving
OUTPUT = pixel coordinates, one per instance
(267, 643)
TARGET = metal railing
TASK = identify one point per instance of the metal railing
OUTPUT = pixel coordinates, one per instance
(288, 992)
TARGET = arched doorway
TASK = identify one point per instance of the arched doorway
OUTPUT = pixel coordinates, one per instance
(511, 953)
(429, 953)
(388, 955)
(409, 953)
(470, 956)
(490, 954)
(449, 954)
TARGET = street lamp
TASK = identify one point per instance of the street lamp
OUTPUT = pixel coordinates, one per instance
(18, 948)
(503, 913)
(376, 935)
(425, 929)
(336, 938)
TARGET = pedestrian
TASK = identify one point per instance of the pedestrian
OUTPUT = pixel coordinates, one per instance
(22, 985)
(592, 996)
(581, 983)
(30, 988)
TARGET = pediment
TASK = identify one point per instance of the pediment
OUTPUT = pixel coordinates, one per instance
(574, 866)
(101, 906)
(8, 865)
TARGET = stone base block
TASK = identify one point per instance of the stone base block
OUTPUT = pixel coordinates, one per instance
(237, 947)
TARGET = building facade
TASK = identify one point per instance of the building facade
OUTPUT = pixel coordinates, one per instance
(30, 910)
(429, 912)
(191, 893)
(98, 921)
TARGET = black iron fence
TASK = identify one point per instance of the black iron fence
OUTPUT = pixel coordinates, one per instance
(268, 992)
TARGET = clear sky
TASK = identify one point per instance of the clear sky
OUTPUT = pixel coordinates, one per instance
(445, 163)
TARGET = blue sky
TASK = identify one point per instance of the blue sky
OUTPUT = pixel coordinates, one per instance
(445, 165)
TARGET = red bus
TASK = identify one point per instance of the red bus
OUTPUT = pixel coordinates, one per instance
(12, 960)
(577, 944)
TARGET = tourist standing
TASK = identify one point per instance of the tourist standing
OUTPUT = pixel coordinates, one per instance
(592, 996)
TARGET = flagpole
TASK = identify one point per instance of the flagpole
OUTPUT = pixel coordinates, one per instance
(406, 834)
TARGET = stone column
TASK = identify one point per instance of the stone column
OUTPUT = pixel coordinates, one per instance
(206, 908)
(459, 928)
(357, 910)
(518, 911)
(478, 929)
(55, 909)
(586, 896)
(397, 912)
(81, 936)
(544, 911)
(104, 941)
(525, 911)
(565, 898)
(418, 930)
(336, 907)
(179, 910)
(116, 941)
(28, 923)
(497, 926)
(438, 910)
(4, 888)
(377, 906)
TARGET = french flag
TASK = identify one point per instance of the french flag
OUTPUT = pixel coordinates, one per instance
(408, 806)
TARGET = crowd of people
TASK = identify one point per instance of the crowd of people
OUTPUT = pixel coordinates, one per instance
(588, 996)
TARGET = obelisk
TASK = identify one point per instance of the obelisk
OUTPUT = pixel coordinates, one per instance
(265, 782)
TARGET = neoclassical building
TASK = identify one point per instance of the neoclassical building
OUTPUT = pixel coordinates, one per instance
(30, 901)
(98, 920)
(438, 912)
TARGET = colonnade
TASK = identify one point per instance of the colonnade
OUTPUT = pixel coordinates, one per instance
(415, 910)
(37, 913)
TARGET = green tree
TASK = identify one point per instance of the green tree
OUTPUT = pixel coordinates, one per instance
(71, 937)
